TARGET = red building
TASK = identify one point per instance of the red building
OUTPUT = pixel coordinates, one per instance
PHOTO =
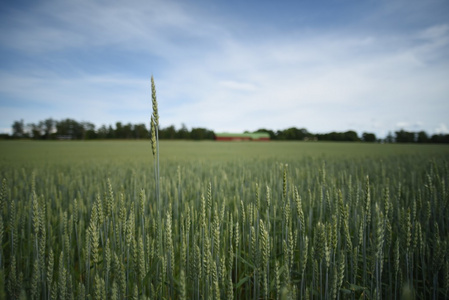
(258, 136)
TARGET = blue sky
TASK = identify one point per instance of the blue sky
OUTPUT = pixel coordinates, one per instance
(368, 66)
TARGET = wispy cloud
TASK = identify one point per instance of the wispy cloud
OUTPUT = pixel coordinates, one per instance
(97, 99)
(91, 60)
(239, 86)
(442, 129)
(59, 25)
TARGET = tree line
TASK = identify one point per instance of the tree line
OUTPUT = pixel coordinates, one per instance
(69, 129)
(51, 129)
(400, 136)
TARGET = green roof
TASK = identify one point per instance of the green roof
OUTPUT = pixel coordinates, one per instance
(254, 136)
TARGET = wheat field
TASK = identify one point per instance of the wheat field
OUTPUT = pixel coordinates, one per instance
(293, 220)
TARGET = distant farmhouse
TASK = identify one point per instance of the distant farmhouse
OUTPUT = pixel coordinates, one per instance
(258, 136)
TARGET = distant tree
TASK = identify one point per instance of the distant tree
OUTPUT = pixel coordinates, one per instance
(168, 133)
(201, 134)
(89, 132)
(440, 138)
(368, 137)
(403, 136)
(322, 136)
(36, 130)
(119, 133)
(64, 129)
(140, 131)
(18, 129)
(70, 128)
(389, 138)
(331, 136)
(128, 131)
(292, 133)
(111, 133)
(422, 137)
(48, 126)
(348, 136)
(102, 132)
(273, 135)
(183, 133)
(351, 136)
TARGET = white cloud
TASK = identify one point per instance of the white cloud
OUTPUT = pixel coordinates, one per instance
(134, 25)
(442, 129)
(7, 130)
(101, 100)
(402, 125)
(435, 33)
(217, 76)
(239, 86)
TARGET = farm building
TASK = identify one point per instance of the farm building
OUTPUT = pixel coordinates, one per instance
(258, 136)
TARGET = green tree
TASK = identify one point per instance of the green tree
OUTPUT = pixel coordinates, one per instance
(351, 136)
(119, 133)
(440, 138)
(89, 132)
(183, 133)
(18, 129)
(422, 137)
(48, 126)
(111, 133)
(70, 129)
(368, 137)
(272, 134)
(102, 132)
(389, 138)
(128, 131)
(168, 133)
(403, 136)
(140, 131)
(201, 134)
(36, 130)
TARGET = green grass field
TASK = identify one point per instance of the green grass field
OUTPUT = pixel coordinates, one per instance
(104, 151)
(238, 220)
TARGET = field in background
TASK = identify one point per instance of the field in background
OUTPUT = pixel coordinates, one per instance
(240, 220)
(58, 152)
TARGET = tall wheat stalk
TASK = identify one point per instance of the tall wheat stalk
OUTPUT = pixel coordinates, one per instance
(155, 140)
